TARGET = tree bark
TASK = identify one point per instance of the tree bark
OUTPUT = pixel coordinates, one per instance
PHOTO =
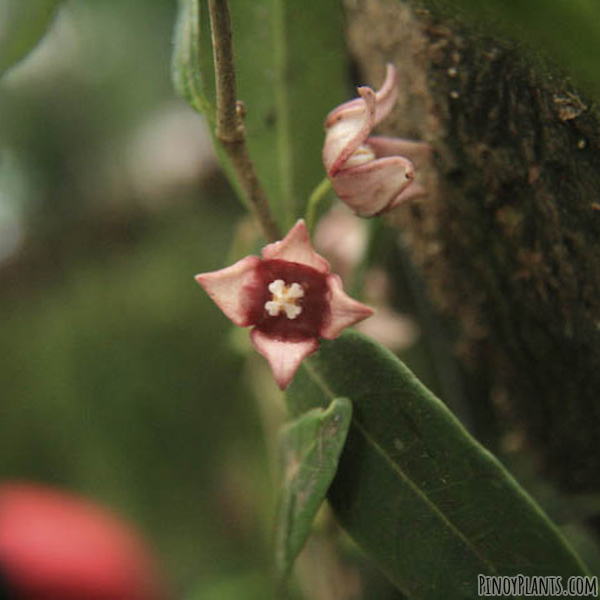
(507, 239)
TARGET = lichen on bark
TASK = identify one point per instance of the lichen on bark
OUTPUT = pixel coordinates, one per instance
(507, 240)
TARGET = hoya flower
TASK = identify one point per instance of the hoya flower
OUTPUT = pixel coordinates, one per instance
(289, 298)
(371, 174)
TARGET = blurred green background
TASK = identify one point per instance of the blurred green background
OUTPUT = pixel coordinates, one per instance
(116, 371)
(120, 379)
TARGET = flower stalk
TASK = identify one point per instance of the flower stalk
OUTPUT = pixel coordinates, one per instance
(315, 202)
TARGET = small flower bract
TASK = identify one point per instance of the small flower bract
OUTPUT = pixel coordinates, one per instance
(289, 298)
(371, 174)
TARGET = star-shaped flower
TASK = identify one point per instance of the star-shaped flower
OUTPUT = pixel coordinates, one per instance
(289, 298)
(371, 174)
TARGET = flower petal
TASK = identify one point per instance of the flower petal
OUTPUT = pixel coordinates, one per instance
(296, 247)
(419, 153)
(348, 126)
(226, 288)
(391, 329)
(345, 311)
(284, 357)
(414, 190)
(372, 188)
(388, 93)
(385, 98)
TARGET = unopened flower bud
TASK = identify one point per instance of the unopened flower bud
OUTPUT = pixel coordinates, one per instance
(370, 174)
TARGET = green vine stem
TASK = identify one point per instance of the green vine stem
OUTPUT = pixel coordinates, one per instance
(315, 202)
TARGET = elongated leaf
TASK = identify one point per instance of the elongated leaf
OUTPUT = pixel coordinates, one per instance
(422, 497)
(291, 71)
(22, 25)
(193, 78)
(186, 66)
(310, 451)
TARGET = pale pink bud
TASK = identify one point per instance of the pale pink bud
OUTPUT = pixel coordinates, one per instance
(370, 174)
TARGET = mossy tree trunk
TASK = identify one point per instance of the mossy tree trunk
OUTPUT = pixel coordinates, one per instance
(507, 240)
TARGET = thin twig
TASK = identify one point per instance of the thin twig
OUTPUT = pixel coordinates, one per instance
(230, 123)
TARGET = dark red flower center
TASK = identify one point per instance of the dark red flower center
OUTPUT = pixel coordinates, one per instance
(283, 310)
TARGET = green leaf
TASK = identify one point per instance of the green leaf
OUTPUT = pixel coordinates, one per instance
(186, 67)
(414, 489)
(568, 30)
(22, 25)
(193, 76)
(291, 70)
(310, 451)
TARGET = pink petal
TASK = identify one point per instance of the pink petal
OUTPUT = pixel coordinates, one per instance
(348, 127)
(419, 153)
(414, 190)
(345, 311)
(391, 329)
(296, 247)
(350, 107)
(385, 98)
(226, 288)
(284, 357)
(387, 94)
(372, 187)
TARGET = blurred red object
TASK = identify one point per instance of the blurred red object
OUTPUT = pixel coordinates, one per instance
(55, 545)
